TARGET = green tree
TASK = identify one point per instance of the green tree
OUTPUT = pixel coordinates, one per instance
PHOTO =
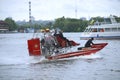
(70, 24)
(12, 25)
(117, 19)
(59, 23)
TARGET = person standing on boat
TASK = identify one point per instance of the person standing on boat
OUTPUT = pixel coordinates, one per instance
(89, 42)
(60, 34)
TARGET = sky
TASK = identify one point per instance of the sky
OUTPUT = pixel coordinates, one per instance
(53, 9)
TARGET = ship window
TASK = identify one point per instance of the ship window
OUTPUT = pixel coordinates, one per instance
(98, 29)
(118, 29)
(94, 30)
(107, 29)
(101, 30)
(114, 29)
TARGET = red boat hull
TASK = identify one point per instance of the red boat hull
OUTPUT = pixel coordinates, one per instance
(87, 51)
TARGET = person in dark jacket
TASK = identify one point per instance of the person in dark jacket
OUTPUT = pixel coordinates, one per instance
(60, 34)
(89, 42)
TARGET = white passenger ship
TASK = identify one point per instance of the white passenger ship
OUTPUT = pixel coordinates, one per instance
(103, 30)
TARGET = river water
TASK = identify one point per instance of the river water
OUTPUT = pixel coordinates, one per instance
(16, 64)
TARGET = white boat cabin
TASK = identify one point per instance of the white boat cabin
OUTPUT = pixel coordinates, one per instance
(111, 26)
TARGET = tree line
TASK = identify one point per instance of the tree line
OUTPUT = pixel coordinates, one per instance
(70, 24)
(65, 24)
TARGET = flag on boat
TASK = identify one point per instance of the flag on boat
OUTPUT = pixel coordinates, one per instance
(92, 22)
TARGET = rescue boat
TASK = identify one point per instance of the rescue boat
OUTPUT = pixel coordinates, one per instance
(51, 51)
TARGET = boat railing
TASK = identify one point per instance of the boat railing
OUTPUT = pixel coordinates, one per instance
(88, 29)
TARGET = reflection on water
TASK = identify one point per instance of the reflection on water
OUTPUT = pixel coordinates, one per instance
(16, 64)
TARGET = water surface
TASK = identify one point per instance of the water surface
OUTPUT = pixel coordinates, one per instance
(16, 64)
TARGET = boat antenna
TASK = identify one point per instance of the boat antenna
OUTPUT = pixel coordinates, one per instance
(75, 8)
(30, 18)
(30, 23)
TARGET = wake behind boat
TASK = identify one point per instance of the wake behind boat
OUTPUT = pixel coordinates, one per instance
(107, 30)
(54, 47)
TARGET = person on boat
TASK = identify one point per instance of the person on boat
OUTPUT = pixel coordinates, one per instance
(89, 42)
(60, 34)
(48, 43)
(49, 38)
